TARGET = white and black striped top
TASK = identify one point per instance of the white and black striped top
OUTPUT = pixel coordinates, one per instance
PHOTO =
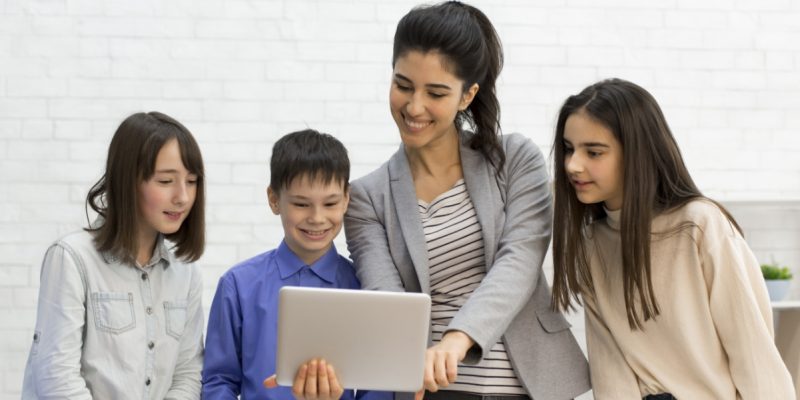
(457, 266)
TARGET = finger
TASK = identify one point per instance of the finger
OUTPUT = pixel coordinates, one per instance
(311, 380)
(300, 381)
(451, 366)
(440, 368)
(336, 388)
(419, 395)
(323, 389)
(428, 381)
(271, 382)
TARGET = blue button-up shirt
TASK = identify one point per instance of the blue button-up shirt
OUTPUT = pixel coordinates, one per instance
(244, 316)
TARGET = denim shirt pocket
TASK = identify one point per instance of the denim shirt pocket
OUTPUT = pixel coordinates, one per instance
(175, 316)
(113, 311)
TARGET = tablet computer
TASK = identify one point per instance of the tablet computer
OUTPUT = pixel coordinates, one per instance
(374, 340)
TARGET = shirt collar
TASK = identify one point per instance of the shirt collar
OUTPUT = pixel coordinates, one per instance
(613, 218)
(161, 254)
(289, 264)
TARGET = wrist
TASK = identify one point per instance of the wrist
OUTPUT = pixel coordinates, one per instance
(460, 341)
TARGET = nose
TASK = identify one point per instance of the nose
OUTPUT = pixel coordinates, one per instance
(181, 195)
(415, 105)
(573, 163)
(316, 215)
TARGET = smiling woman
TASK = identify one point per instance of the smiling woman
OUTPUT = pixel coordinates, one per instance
(115, 291)
(463, 213)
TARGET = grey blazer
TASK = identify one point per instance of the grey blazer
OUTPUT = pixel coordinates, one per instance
(387, 244)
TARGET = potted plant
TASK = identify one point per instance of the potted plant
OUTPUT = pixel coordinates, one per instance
(778, 279)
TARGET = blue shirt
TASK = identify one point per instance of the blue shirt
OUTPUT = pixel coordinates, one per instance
(244, 316)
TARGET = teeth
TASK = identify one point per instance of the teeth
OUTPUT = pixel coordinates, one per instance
(316, 233)
(416, 125)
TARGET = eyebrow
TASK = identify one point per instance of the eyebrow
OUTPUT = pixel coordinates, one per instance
(429, 85)
(588, 144)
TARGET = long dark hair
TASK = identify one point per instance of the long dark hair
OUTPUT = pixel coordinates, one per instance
(131, 160)
(469, 44)
(655, 180)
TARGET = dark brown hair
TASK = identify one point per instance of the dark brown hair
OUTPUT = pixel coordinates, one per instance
(655, 180)
(308, 153)
(469, 44)
(131, 160)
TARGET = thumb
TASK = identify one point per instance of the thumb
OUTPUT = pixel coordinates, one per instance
(271, 382)
(418, 395)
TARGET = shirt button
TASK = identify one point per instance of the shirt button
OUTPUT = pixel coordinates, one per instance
(147, 382)
(151, 345)
(144, 276)
(149, 310)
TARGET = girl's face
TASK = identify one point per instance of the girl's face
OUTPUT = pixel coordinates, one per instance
(425, 98)
(593, 161)
(167, 197)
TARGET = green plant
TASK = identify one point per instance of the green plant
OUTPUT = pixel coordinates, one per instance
(775, 271)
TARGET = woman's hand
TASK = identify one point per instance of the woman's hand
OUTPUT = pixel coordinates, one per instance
(315, 380)
(441, 361)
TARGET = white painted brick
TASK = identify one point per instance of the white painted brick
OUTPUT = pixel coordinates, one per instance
(578, 76)
(67, 172)
(695, 19)
(53, 25)
(23, 108)
(778, 40)
(230, 234)
(17, 319)
(46, 7)
(779, 60)
(253, 174)
(193, 89)
(136, 27)
(230, 152)
(10, 129)
(595, 56)
(294, 71)
(735, 99)
(728, 39)
(708, 59)
(299, 113)
(37, 129)
(763, 119)
(71, 129)
(524, 14)
(34, 150)
(540, 55)
(36, 87)
(226, 194)
(25, 298)
(676, 39)
(219, 254)
(528, 35)
(250, 90)
(98, 67)
(347, 11)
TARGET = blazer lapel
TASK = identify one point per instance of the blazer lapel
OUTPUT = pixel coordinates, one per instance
(481, 187)
(405, 202)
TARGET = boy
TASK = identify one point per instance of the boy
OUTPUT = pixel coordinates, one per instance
(309, 190)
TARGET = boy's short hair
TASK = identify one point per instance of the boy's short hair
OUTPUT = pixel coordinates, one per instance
(308, 153)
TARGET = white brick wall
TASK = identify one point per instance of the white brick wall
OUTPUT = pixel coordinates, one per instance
(241, 73)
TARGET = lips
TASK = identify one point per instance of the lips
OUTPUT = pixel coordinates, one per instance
(173, 215)
(316, 234)
(580, 185)
(416, 126)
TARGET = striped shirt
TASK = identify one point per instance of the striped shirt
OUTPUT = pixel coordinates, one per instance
(457, 267)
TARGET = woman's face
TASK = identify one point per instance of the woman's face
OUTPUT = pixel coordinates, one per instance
(593, 161)
(425, 98)
(167, 197)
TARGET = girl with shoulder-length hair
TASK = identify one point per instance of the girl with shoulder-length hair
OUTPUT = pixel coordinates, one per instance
(674, 300)
(119, 314)
(463, 213)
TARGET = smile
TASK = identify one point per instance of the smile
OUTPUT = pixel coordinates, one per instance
(173, 215)
(415, 125)
(315, 234)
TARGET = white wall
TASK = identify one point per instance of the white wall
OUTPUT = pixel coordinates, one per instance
(241, 73)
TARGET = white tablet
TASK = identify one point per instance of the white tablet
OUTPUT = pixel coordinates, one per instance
(374, 340)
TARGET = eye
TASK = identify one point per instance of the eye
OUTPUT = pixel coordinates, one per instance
(403, 88)
(192, 180)
(164, 181)
(568, 149)
(300, 205)
(594, 154)
(437, 95)
(332, 204)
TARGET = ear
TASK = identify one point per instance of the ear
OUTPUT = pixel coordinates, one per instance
(346, 198)
(273, 200)
(468, 96)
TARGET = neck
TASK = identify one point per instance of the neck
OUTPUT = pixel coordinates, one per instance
(147, 244)
(436, 160)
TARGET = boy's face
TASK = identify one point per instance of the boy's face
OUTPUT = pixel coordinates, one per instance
(311, 213)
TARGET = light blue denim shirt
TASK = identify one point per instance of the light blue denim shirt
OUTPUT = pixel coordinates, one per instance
(112, 330)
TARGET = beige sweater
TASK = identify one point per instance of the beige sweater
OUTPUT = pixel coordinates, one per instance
(714, 336)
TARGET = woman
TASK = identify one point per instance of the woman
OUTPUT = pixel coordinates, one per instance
(120, 313)
(464, 215)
